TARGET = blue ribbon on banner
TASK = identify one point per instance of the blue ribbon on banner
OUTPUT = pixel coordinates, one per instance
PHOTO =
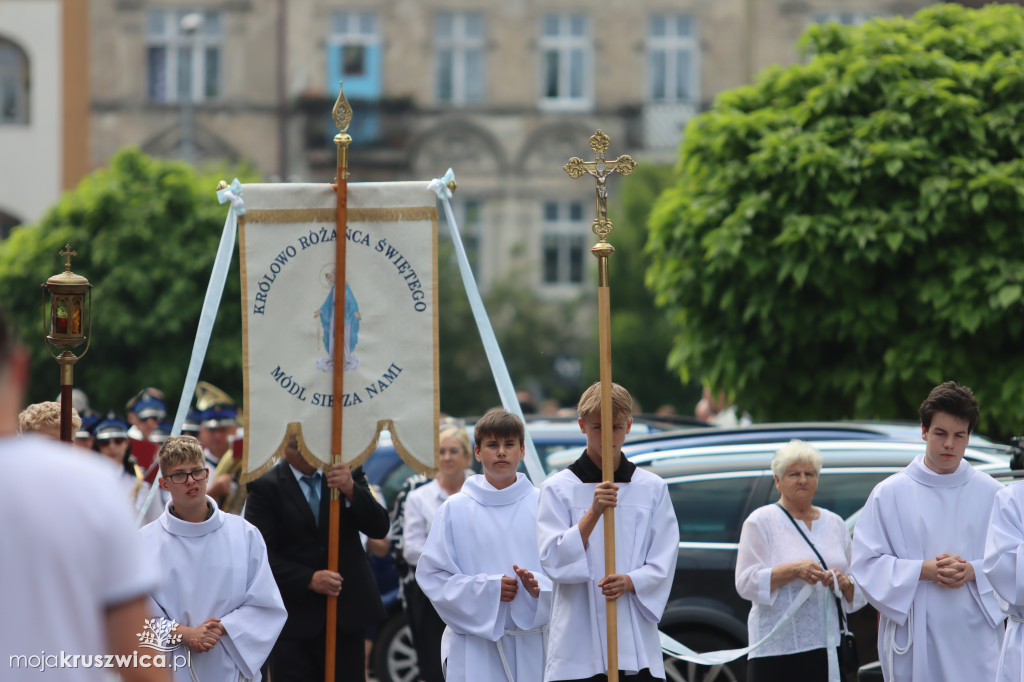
(214, 292)
(506, 391)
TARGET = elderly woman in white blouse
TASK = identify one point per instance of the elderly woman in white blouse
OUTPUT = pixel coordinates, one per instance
(776, 560)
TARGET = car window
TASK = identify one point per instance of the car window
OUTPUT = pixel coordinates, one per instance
(711, 509)
(844, 492)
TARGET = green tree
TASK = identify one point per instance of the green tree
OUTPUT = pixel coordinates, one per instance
(845, 233)
(641, 333)
(146, 231)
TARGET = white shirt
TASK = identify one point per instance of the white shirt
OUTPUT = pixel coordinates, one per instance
(68, 551)
(646, 547)
(1003, 566)
(420, 507)
(950, 634)
(217, 569)
(768, 540)
(477, 537)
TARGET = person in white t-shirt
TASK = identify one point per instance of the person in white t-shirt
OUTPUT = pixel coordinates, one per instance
(775, 562)
(74, 577)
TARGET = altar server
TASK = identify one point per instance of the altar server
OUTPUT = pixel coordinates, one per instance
(917, 554)
(480, 567)
(1003, 564)
(215, 580)
(570, 529)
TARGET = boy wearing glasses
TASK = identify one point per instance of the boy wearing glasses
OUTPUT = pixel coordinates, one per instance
(215, 581)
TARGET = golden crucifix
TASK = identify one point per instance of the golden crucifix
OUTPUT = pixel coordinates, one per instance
(601, 169)
(68, 253)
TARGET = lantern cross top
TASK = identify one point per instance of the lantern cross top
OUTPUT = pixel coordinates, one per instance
(600, 169)
(68, 253)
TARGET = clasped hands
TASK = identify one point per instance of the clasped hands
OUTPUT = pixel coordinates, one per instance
(203, 637)
(510, 586)
(811, 572)
(948, 570)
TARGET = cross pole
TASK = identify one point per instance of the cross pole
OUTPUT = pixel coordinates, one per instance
(342, 114)
(600, 169)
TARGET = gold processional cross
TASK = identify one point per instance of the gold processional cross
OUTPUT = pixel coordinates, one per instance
(600, 169)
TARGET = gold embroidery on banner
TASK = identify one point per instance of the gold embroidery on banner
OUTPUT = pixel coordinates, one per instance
(355, 215)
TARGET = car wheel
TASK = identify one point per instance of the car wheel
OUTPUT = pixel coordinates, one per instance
(394, 656)
(685, 671)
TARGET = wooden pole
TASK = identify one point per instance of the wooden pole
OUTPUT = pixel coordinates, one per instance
(342, 114)
(600, 169)
(603, 250)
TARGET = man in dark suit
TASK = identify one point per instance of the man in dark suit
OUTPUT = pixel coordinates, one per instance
(280, 503)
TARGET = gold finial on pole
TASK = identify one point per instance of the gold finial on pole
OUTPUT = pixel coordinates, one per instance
(342, 115)
(601, 169)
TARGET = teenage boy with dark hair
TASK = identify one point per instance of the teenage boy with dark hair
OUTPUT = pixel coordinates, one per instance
(570, 529)
(481, 549)
(917, 554)
(216, 582)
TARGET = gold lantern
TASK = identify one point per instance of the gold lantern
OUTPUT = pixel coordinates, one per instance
(70, 324)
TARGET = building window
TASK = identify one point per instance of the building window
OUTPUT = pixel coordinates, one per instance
(565, 49)
(353, 57)
(844, 18)
(468, 216)
(459, 47)
(14, 84)
(672, 58)
(563, 242)
(183, 55)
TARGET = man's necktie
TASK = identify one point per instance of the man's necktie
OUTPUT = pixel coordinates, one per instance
(313, 495)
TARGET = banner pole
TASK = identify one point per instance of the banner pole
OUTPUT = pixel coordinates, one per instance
(342, 114)
(600, 169)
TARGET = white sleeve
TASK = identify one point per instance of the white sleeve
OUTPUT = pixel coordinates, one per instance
(469, 604)
(1003, 564)
(251, 629)
(889, 582)
(652, 580)
(860, 599)
(562, 553)
(414, 527)
(754, 565)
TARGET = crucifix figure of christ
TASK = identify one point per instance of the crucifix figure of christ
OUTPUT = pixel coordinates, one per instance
(600, 169)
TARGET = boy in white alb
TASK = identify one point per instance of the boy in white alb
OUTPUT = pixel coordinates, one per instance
(917, 554)
(482, 548)
(570, 529)
(215, 580)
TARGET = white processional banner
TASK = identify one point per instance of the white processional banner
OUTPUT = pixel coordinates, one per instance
(389, 353)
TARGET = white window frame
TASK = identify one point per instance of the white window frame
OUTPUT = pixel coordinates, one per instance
(673, 43)
(15, 70)
(565, 46)
(568, 232)
(171, 38)
(464, 48)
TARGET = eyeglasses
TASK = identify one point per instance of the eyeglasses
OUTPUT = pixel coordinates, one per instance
(115, 441)
(182, 477)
